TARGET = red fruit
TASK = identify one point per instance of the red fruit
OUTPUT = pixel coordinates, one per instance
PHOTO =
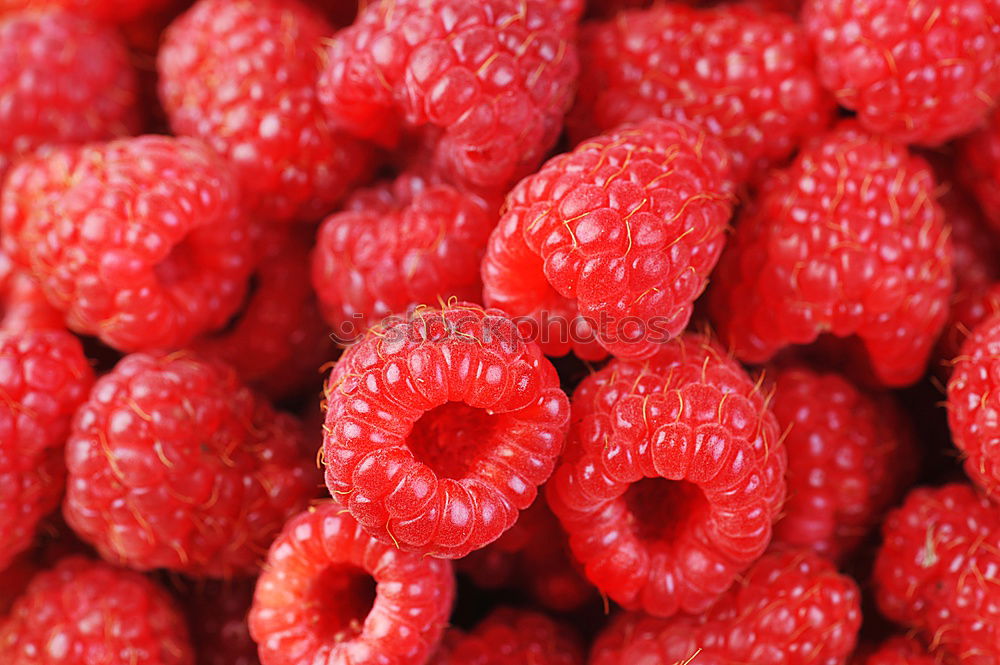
(899, 650)
(317, 601)
(481, 86)
(917, 71)
(396, 245)
(44, 84)
(849, 241)
(746, 75)
(86, 612)
(851, 454)
(44, 376)
(936, 569)
(173, 463)
(978, 162)
(511, 637)
(217, 616)
(673, 474)
(23, 305)
(241, 75)
(440, 427)
(618, 235)
(791, 608)
(141, 242)
(116, 11)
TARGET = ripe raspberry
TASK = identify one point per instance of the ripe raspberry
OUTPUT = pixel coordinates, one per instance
(899, 650)
(747, 76)
(936, 571)
(217, 618)
(44, 377)
(511, 637)
(792, 608)
(316, 601)
(44, 86)
(116, 11)
(917, 71)
(848, 240)
(622, 231)
(23, 305)
(673, 474)
(141, 241)
(86, 612)
(399, 244)
(978, 162)
(440, 428)
(851, 454)
(241, 75)
(482, 86)
(173, 463)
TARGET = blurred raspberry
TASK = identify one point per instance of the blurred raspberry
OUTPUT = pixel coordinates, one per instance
(978, 164)
(511, 637)
(23, 305)
(217, 618)
(899, 650)
(115, 11)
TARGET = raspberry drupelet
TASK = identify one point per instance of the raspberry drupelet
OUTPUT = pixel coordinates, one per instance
(792, 608)
(440, 427)
(619, 234)
(241, 75)
(978, 162)
(511, 637)
(916, 71)
(849, 241)
(141, 241)
(333, 594)
(174, 463)
(672, 477)
(480, 86)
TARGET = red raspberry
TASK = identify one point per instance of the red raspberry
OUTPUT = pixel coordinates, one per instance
(217, 617)
(241, 74)
(899, 650)
(173, 463)
(936, 570)
(745, 75)
(44, 85)
(917, 71)
(23, 305)
(851, 454)
(440, 428)
(482, 85)
(673, 474)
(511, 637)
(44, 377)
(399, 244)
(848, 240)
(622, 232)
(978, 162)
(140, 241)
(116, 11)
(792, 608)
(86, 612)
(317, 601)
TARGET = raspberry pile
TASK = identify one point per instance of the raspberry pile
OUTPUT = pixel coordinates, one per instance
(499, 332)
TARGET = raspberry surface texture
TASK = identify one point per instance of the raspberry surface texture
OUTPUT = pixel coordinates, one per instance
(511, 637)
(85, 612)
(217, 617)
(978, 162)
(174, 463)
(481, 86)
(332, 594)
(792, 608)
(141, 241)
(849, 241)
(440, 428)
(23, 305)
(619, 234)
(241, 75)
(917, 71)
(673, 474)
(745, 75)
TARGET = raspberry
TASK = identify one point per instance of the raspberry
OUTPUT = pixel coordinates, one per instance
(116, 11)
(316, 601)
(747, 76)
(978, 162)
(792, 608)
(673, 474)
(173, 463)
(851, 454)
(482, 86)
(141, 241)
(396, 245)
(44, 376)
(217, 617)
(240, 74)
(511, 637)
(917, 71)
(848, 240)
(43, 85)
(622, 232)
(440, 427)
(23, 305)
(899, 650)
(86, 612)
(935, 571)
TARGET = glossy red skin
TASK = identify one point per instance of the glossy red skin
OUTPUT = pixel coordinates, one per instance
(511, 637)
